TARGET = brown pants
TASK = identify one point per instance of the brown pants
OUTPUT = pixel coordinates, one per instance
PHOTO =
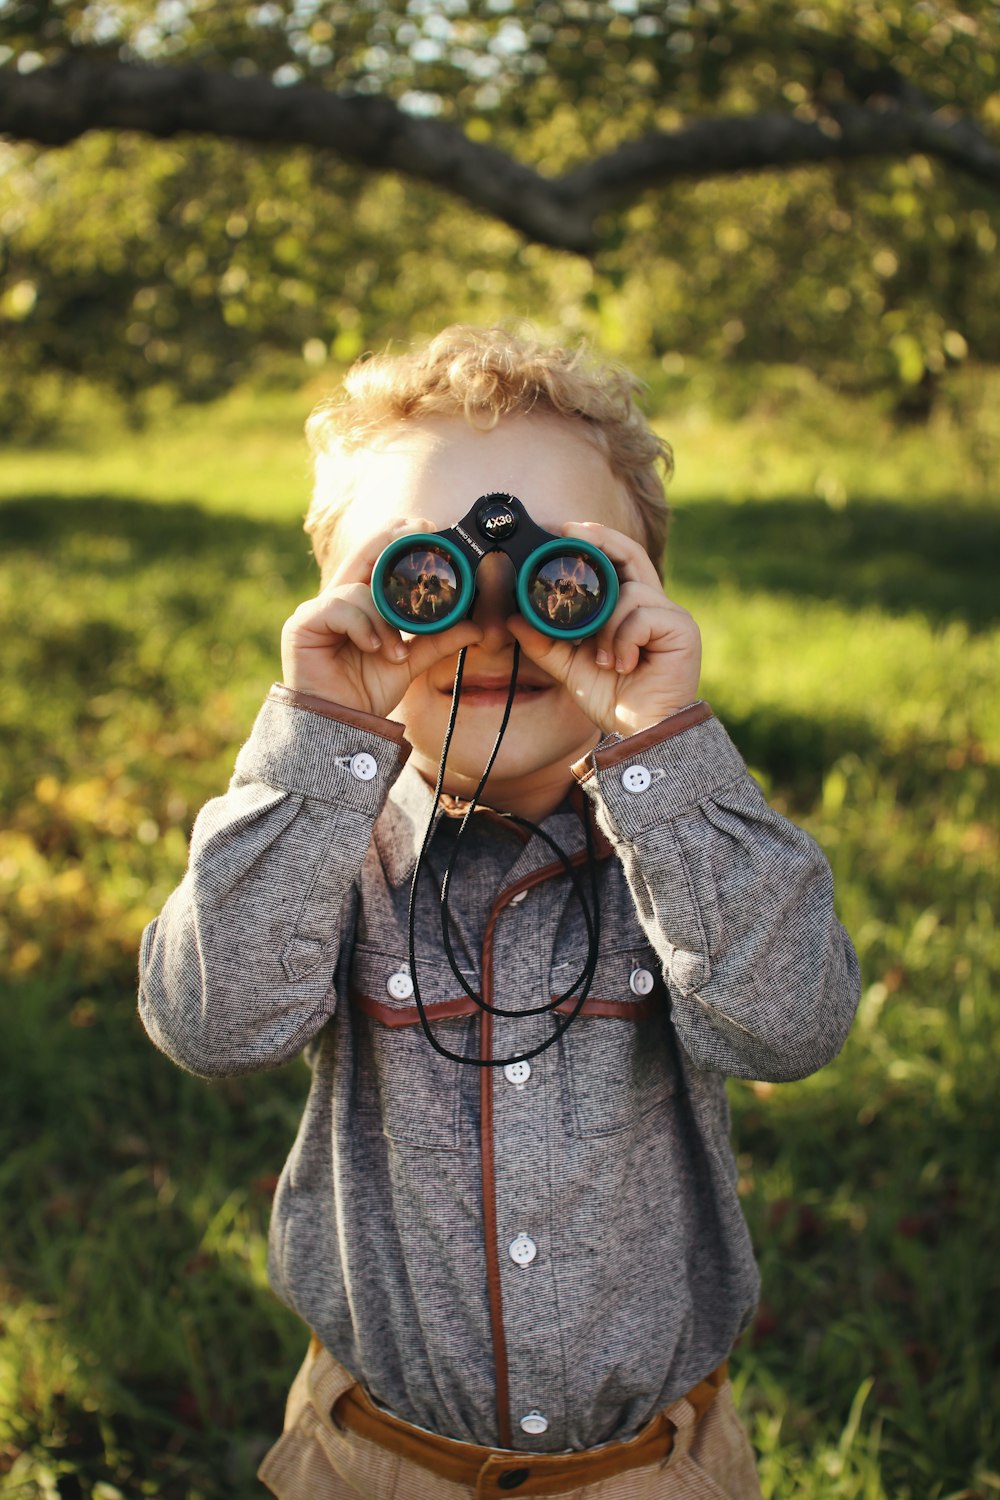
(319, 1458)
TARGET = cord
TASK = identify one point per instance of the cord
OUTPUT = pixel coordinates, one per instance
(591, 918)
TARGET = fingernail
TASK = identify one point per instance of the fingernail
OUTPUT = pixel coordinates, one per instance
(374, 640)
(603, 659)
(619, 664)
(400, 652)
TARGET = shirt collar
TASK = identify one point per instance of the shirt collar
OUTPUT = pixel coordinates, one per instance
(400, 829)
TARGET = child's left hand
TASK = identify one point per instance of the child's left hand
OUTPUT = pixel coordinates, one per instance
(643, 664)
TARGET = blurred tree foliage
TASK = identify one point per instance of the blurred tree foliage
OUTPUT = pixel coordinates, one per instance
(196, 261)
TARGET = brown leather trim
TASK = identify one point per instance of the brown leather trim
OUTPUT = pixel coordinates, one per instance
(483, 1469)
(386, 729)
(489, 1187)
(457, 807)
(393, 1015)
(444, 1010)
(627, 749)
(625, 1010)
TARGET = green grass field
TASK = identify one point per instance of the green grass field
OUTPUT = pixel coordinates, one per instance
(844, 573)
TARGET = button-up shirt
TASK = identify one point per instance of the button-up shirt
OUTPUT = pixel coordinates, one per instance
(538, 1255)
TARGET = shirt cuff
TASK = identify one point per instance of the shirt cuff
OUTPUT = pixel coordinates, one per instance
(356, 717)
(310, 745)
(644, 779)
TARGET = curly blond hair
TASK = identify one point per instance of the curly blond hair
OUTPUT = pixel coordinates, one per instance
(485, 374)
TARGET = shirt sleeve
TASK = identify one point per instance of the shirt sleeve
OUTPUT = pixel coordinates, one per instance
(236, 974)
(737, 901)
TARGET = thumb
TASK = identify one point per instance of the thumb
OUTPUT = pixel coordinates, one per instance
(426, 650)
(552, 655)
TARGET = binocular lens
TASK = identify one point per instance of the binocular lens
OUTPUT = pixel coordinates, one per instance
(422, 585)
(566, 592)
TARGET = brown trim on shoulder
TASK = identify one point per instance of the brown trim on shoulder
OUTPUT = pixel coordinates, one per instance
(624, 751)
(386, 729)
(394, 1015)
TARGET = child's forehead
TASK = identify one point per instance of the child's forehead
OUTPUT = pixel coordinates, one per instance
(436, 467)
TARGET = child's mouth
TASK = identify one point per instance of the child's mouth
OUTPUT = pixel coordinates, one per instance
(485, 693)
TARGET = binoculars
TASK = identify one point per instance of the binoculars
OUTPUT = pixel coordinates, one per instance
(425, 582)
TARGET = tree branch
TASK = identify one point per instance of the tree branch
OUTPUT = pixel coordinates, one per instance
(55, 105)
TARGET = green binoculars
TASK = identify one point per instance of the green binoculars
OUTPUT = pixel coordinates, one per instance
(426, 582)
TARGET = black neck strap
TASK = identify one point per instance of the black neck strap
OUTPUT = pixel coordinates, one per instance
(591, 916)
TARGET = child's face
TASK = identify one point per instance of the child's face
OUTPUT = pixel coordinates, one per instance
(430, 472)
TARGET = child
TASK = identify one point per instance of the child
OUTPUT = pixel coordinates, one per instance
(520, 1279)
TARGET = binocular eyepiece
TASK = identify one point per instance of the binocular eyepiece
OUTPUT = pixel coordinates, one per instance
(425, 582)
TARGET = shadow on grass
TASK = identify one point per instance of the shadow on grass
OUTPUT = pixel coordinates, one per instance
(936, 560)
(48, 522)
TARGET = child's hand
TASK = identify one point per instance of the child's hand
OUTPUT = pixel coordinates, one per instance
(339, 647)
(643, 664)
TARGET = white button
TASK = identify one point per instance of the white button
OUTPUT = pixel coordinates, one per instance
(635, 778)
(364, 766)
(400, 986)
(640, 981)
(522, 1252)
(514, 900)
(518, 1073)
(534, 1423)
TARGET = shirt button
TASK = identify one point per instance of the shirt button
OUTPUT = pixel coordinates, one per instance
(516, 900)
(640, 981)
(635, 778)
(522, 1252)
(534, 1423)
(400, 986)
(518, 1072)
(364, 766)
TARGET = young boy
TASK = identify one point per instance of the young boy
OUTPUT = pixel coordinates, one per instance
(523, 1279)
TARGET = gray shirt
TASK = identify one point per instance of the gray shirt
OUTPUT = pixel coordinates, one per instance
(562, 1237)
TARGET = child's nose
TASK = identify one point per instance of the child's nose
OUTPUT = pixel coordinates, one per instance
(494, 601)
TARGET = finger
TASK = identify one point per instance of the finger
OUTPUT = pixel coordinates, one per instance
(632, 561)
(631, 597)
(325, 620)
(551, 654)
(424, 650)
(356, 565)
(385, 636)
(653, 629)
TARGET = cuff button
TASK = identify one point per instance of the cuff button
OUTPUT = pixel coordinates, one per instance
(364, 766)
(636, 779)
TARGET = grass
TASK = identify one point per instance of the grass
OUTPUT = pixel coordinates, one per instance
(841, 571)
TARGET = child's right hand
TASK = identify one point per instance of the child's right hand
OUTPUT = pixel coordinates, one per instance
(338, 646)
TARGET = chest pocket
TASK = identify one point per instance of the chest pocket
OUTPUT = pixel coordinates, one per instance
(422, 1098)
(618, 1055)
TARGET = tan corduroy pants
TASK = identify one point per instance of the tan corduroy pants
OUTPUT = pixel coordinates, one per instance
(318, 1457)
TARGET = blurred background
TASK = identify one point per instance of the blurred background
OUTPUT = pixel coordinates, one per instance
(819, 339)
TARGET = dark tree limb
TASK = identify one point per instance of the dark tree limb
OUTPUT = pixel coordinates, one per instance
(55, 105)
